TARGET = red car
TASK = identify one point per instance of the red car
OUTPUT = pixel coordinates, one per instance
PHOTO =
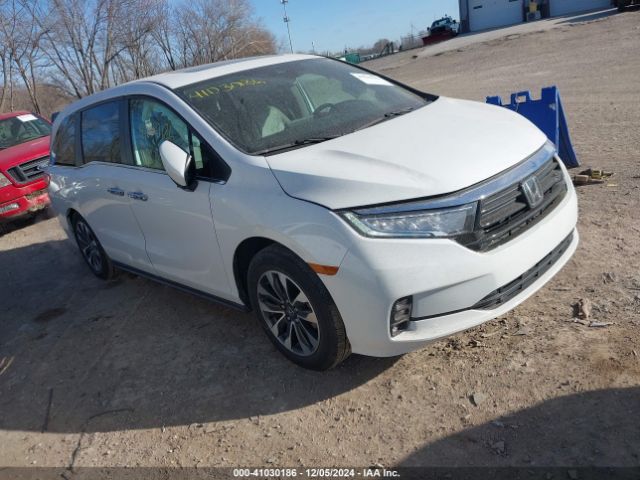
(24, 150)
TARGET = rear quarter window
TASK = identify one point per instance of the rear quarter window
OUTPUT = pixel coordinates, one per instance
(101, 133)
(64, 144)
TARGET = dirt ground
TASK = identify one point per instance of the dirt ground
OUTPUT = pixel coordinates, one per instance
(132, 373)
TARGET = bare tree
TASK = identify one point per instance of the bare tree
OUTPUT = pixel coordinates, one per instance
(380, 45)
(136, 54)
(213, 30)
(84, 46)
(82, 39)
(21, 68)
(21, 37)
(69, 42)
(4, 61)
(4, 71)
(164, 35)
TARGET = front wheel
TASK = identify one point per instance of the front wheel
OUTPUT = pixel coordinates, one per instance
(296, 310)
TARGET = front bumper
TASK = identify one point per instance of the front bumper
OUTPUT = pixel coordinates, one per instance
(442, 276)
(18, 201)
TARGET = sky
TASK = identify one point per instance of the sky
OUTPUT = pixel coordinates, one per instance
(332, 25)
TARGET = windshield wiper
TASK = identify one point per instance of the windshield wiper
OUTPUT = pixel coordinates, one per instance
(312, 140)
(385, 117)
(296, 144)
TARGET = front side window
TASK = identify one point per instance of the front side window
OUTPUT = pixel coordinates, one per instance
(152, 123)
(266, 109)
(64, 145)
(101, 133)
(22, 129)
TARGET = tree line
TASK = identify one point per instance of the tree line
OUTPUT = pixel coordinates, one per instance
(73, 48)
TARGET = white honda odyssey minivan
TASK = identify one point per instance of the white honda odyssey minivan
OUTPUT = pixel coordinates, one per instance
(351, 212)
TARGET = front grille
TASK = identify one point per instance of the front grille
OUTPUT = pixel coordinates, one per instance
(513, 288)
(507, 213)
(29, 171)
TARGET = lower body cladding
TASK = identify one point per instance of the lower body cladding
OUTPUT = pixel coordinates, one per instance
(449, 287)
(28, 203)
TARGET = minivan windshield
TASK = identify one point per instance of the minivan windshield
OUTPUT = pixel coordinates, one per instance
(22, 129)
(289, 105)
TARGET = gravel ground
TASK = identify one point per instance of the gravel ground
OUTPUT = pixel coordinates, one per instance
(133, 373)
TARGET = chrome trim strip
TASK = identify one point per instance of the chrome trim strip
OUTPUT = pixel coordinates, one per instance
(157, 171)
(472, 194)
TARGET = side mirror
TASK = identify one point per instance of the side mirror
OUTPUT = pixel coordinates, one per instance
(178, 164)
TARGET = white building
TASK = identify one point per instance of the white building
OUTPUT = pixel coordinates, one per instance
(483, 14)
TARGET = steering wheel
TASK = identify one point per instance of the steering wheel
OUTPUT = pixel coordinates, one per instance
(325, 107)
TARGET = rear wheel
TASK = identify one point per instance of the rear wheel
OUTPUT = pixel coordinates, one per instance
(91, 250)
(296, 310)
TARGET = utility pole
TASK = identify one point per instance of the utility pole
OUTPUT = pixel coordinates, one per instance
(287, 20)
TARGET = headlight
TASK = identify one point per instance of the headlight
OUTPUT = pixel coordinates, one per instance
(437, 223)
(4, 181)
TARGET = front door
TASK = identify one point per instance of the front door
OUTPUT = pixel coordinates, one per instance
(178, 226)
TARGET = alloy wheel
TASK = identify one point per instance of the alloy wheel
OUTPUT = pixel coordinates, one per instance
(89, 246)
(288, 313)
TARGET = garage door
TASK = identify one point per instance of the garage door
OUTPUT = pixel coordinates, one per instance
(562, 7)
(494, 13)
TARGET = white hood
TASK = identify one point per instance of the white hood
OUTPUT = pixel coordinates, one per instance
(441, 148)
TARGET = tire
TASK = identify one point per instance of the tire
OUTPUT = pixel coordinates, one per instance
(622, 4)
(91, 249)
(305, 325)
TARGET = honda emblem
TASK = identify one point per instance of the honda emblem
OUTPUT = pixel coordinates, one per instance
(532, 191)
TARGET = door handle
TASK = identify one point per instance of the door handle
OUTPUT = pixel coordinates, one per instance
(138, 196)
(116, 191)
